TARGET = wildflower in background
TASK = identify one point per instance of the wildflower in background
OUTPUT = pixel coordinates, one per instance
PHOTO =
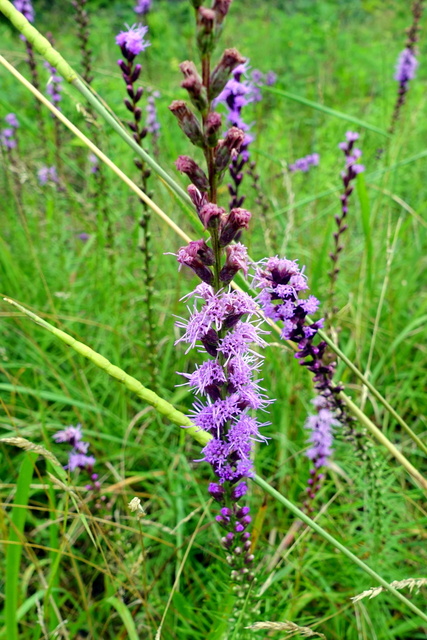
(26, 8)
(12, 120)
(47, 174)
(133, 42)
(54, 85)
(407, 62)
(8, 138)
(304, 164)
(94, 162)
(77, 456)
(152, 123)
(143, 7)
(351, 170)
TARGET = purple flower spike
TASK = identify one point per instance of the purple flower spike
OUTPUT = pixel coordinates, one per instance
(26, 8)
(406, 67)
(132, 41)
(80, 461)
(12, 120)
(143, 7)
(47, 174)
(304, 164)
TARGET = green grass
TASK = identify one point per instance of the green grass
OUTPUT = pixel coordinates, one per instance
(108, 573)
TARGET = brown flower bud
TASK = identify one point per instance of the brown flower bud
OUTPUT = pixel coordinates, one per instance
(237, 220)
(210, 214)
(188, 122)
(198, 199)
(231, 59)
(221, 8)
(205, 30)
(237, 258)
(225, 148)
(212, 128)
(194, 85)
(186, 165)
(198, 256)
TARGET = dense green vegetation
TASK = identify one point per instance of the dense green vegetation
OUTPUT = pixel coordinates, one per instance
(89, 567)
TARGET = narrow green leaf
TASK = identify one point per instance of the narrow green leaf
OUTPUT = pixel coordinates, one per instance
(125, 615)
(14, 551)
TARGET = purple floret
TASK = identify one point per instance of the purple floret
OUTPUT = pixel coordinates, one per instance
(26, 8)
(143, 7)
(12, 120)
(132, 41)
(406, 67)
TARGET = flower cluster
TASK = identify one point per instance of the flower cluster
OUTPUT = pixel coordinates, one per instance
(143, 7)
(406, 67)
(8, 134)
(77, 457)
(351, 170)
(47, 174)
(26, 8)
(281, 282)
(151, 122)
(54, 85)
(304, 164)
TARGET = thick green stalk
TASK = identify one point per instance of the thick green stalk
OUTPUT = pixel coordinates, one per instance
(338, 545)
(160, 405)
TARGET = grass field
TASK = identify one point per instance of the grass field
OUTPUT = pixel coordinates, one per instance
(77, 562)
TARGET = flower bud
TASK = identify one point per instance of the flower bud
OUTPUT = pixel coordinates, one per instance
(210, 214)
(186, 165)
(217, 492)
(210, 342)
(188, 122)
(237, 220)
(205, 30)
(225, 148)
(194, 85)
(221, 8)
(231, 59)
(237, 258)
(198, 199)
(198, 256)
(212, 128)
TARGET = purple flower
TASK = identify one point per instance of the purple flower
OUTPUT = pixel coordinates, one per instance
(79, 461)
(54, 85)
(304, 164)
(93, 159)
(84, 237)
(7, 138)
(47, 174)
(143, 7)
(71, 434)
(132, 41)
(406, 67)
(152, 124)
(26, 8)
(321, 426)
(11, 120)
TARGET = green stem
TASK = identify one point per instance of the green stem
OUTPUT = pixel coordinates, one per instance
(338, 545)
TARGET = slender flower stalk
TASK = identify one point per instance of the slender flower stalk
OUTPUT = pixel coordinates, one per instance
(83, 32)
(132, 42)
(407, 62)
(304, 164)
(54, 89)
(27, 10)
(152, 123)
(351, 170)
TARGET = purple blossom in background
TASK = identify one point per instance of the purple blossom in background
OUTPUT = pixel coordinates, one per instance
(84, 237)
(237, 94)
(132, 41)
(77, 456)
(7, 138)
(71, 435)
(143, 7)
(406, 67)
(304, 164)
(152, 124)
(321, 426)
(54, 85)
(11, 120)
(79, 461)
(351, 170)
(26, 8)
(94, 162)
(47, 174)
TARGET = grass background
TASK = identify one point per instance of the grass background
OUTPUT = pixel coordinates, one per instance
(115, 580)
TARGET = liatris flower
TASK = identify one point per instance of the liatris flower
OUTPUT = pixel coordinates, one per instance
(47, 174)
(77, 456)
(8, 138)
(132, 42)
(54, 85)
(151, 122)
(94, 162)
(82, 19)
(407, 62)
(304, 164)
(143, 7)
(26, 8)
(352, 169)
(12, 120)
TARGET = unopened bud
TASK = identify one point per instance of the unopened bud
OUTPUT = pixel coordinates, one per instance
(198, 199)
(210, 214)
(231, 59)
(237, 220)
(205, 30)
(194, 85)
(221, 8)
(237, 258)
(198, 256)
(225, 148)
(186, 165)
(188, 122)
(212, 128)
